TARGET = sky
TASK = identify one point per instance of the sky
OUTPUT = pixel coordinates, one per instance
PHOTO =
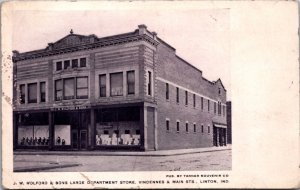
(200, 36)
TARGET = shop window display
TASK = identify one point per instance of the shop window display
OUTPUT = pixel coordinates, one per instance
(62, 135)
(125, 133)
(33, 135)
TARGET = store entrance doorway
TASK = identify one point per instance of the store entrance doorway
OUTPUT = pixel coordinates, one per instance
(79, 139)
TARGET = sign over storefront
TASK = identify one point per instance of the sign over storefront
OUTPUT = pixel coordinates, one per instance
(70, 108)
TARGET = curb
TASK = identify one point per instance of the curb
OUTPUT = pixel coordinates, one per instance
(32, 169)
(115, 153)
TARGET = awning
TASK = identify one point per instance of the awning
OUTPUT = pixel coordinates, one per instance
(220, 125)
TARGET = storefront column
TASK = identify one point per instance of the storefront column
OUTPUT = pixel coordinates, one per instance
(92, 136)
(217, 136)
(51, 130)
(155, 129)
(225, 137)
(15, 131)
(145, 128)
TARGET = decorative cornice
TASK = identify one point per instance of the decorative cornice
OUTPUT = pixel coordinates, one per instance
(99, 44)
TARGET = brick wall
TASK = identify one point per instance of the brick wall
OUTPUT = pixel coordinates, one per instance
(180, 74)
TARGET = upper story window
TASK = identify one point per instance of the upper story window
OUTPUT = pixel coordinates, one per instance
(167, 125)
(67, 64)
(215, 107)
(186, 127)
(194, 100)
(224, 111)
(149, 85)
(177, 129)
(32, 93)
(219, 91)
(71, 63)
(177, 94)
(130, 82)
(102, 82)
(58, 89)
(59, 65)
(186, 98)
(82, 88)
(208, 105)
(208, 129)
(83, 62)
(202, 103)
(116, 84)
(71, 88)
(219, 108)
(167, 91)
(42, 91)
(74, 63)
(195, 128)
(202, 128)
(22, 93)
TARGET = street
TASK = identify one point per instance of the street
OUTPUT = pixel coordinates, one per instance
(205, 161)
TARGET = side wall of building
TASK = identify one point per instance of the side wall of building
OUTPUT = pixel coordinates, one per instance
(195, 120)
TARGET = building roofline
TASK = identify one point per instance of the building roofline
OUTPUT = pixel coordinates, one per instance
(99, 42)
(165, 43)
(188, 63)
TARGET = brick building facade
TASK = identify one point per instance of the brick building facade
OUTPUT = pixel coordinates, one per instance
(125, 91)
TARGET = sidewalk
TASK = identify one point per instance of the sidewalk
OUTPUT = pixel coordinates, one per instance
(28, 166)
(124, 153)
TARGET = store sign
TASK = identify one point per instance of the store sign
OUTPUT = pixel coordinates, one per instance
(106, 126)
(70, 108)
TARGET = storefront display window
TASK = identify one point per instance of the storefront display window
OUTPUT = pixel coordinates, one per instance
(118, 133)
(34, 135)
(62, 135)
